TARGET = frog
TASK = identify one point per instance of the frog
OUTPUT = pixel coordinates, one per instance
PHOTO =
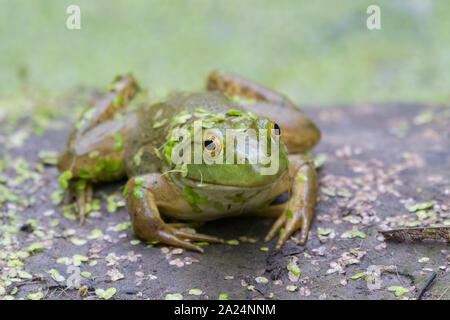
(168, 195)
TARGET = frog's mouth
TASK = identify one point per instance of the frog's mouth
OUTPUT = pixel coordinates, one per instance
(246, 175)
(197, 183)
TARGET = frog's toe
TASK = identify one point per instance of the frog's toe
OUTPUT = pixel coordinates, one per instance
(83, 192)
(284, 237)
(281, 220)
(168, 237)
(192, 224)
(304, 231)
(298, 223)
(198, 236)
(290, 226)
(68, 196)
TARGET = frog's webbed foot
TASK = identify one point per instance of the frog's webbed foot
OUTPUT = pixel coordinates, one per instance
(288, 227)
(297, 213)
(82, 191)
(145, 217)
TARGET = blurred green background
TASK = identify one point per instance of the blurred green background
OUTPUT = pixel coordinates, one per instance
(317, 52)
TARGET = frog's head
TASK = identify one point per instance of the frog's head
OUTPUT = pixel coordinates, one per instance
(230, 148)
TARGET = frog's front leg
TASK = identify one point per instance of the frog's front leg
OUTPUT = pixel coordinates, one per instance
(144, 194)
(297, 213)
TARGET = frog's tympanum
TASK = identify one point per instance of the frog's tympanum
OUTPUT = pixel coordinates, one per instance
(185, 159)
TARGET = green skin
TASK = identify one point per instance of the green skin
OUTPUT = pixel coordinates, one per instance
(111, 141)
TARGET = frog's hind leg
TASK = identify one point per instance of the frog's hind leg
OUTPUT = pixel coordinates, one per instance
(144, 195)
(233, 85)
(298, 132)
(120, 92)
(95, 147)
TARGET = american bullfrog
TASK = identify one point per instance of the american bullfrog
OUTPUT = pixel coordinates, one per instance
(156, 146)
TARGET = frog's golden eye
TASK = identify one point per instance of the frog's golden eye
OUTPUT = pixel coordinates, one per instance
(275, 129)
(212, 145)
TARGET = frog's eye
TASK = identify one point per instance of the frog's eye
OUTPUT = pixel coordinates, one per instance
(212, 145)
(275, 129)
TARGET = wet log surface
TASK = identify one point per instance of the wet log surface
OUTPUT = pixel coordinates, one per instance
(380, 161)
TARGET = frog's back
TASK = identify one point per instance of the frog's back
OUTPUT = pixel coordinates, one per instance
(154, 124)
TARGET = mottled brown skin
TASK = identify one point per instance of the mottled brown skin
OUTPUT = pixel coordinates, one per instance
(93, 154)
